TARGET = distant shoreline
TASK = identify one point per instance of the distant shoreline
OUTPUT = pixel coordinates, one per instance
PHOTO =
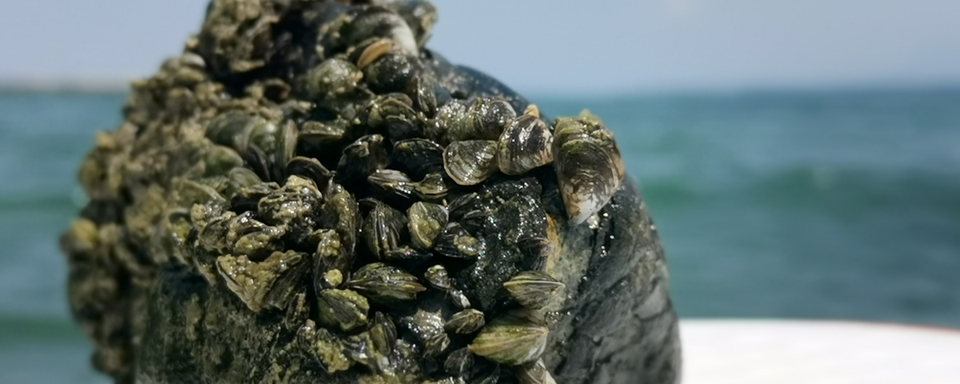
(65, 86)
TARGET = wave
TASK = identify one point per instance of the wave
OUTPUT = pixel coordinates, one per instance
(14, 328)
(37, 204)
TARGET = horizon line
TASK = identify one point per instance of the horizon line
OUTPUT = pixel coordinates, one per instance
(123, 85)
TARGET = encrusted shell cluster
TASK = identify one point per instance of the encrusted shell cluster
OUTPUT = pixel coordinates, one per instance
(394, 227)
(585, 156)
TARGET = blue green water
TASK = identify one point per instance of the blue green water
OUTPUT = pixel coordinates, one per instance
(803, 205)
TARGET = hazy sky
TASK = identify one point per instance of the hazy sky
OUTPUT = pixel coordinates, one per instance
(547, 45)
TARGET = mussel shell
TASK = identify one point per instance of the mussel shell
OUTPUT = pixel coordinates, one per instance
(526, 144)
(385, 283)
(391, 72)
(427, 326)
(295, 206)
(406, 254)
(239, 178)
(331, 79)
(473, 220)
(406, 359)
(437, 277)
(534, 373)
(383, 332)
(393, 115)
(247, 197)
(492, 116)
(462, 204)
(543, 250)
(384, 229)
(424, 94)
(329, 256)
(286, 143)
(220, 159)
(213, 235)
(173, 230)
(433, 187)
(533, 289)
(482, 118)
(394, 187)
(485, 372)
(456, 242)
(341, 212)
(324, 347)
(420, 15)
(465, 322)
(263, 134)
(378, 21)
(588, 165)
(324, 140)
(418, 157)
(234, 129)
(470, 162)
(290, 267)
(331, 279)
(361, 348)
(403, 126)
(373, 51)
(342, 308)
(426, 221)
(316, 133)
(255, 282)
(361, 159)
(260, 163)
(189, 192)
(310, 168)
(298, 312)
(459, 362)
(458, 298)
(258, 242)
(237, 226)
(515, 338)
(450, 118)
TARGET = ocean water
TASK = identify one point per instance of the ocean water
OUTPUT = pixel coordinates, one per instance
(836, 205)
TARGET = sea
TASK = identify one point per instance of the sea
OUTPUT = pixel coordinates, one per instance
(834, 204)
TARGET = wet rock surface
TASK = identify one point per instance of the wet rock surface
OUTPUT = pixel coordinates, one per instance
(307, 194)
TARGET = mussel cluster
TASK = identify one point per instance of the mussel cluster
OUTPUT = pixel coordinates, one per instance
(404, 210)
(396, 218)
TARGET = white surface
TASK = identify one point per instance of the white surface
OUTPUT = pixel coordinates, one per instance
(786, 352)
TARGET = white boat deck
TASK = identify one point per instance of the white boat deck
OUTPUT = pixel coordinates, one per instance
(804, 352)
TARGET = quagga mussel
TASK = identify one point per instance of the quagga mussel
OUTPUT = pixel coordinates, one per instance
(309, 195)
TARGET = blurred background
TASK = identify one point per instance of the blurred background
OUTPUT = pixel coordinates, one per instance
(801, 158)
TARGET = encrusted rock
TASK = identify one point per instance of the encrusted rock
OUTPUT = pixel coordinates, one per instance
(220, 240)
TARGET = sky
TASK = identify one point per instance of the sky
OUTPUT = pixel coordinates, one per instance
(553, 45)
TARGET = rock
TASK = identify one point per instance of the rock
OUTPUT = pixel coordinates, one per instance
(198, 176)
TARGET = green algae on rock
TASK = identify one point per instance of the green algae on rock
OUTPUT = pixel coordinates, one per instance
(307, 194)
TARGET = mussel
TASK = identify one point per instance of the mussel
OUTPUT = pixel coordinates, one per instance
(588, 165)
(526, 144)
(483, 118)
(470, 162)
